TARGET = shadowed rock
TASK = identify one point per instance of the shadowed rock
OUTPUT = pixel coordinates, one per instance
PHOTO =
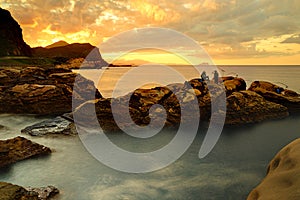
(276, 94)
(14, 192)
(35, 90)
(19, 148)
(249, 107)
(242, 106)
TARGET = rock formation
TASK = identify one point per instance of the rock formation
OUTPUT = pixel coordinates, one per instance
(11, 39)
(56, 126)
(242, 106)
(14, 192)
(19, 148)
(37, 90)
(249, 107)
(274, 93)
(283, 176)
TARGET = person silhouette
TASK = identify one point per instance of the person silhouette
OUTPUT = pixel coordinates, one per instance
(204, 77)
(216, 77)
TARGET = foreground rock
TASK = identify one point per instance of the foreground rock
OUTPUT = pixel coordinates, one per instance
(249, 107)
(19, 148)
(35, 90)
(242, 106)
(44, 193)
(14, 192)
(283, 177)
(274, 93)
(56, 126)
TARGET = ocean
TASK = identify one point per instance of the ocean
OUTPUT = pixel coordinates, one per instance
(236, 165)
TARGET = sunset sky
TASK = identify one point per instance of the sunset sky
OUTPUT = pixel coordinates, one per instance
(231, 31)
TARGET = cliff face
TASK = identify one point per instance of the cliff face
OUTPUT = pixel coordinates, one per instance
(11, 39)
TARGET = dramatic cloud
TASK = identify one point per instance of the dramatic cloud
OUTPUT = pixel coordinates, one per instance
(227, 29)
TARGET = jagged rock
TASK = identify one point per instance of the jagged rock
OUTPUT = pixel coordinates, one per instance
(19, 148)
(283, 176)
(249, 107)
(56, 126)
(142, 100)
(14, 192)
(35, 90)
(276, 94)
(11, 39)
(44, 193)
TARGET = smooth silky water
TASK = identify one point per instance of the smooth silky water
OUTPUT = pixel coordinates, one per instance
(234, 167)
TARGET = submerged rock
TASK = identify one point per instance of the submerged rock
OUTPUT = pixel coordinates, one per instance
(249, 107)
(44, 193)
(56, 126)
(19, 148)
(283, 176)
(276, 94)
(14, 192)
(35, 90)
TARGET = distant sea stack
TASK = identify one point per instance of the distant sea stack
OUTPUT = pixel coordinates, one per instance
(11, 39)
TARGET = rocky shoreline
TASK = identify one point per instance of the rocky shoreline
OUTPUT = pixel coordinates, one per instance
(50, 91)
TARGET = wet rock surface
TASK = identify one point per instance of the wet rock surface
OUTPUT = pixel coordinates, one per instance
(54, 127)
(19, 148)
(35, 90)
(277, 94)
(283, 176)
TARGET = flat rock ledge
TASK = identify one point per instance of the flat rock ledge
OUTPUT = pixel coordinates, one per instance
(9, 191)
(283, 176)
(19, 148)
(54, 127)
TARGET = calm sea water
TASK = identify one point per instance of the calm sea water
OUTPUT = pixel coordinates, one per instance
(234, 167)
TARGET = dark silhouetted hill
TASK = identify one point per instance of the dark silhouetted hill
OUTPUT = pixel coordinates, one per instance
(11, 39)
(60, 43)
(71, 51)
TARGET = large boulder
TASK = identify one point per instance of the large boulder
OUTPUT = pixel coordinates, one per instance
(249, 107)
(35, 90)
(283, 176)
(11, 39)
(277, 94)
(19, 148)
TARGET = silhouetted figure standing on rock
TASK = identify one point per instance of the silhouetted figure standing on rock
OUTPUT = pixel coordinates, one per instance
(216, 77)
(204, 77)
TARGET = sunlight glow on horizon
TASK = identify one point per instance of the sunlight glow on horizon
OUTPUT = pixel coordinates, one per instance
(232, 32)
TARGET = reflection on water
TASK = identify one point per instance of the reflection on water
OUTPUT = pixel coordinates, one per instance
(230, 171)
